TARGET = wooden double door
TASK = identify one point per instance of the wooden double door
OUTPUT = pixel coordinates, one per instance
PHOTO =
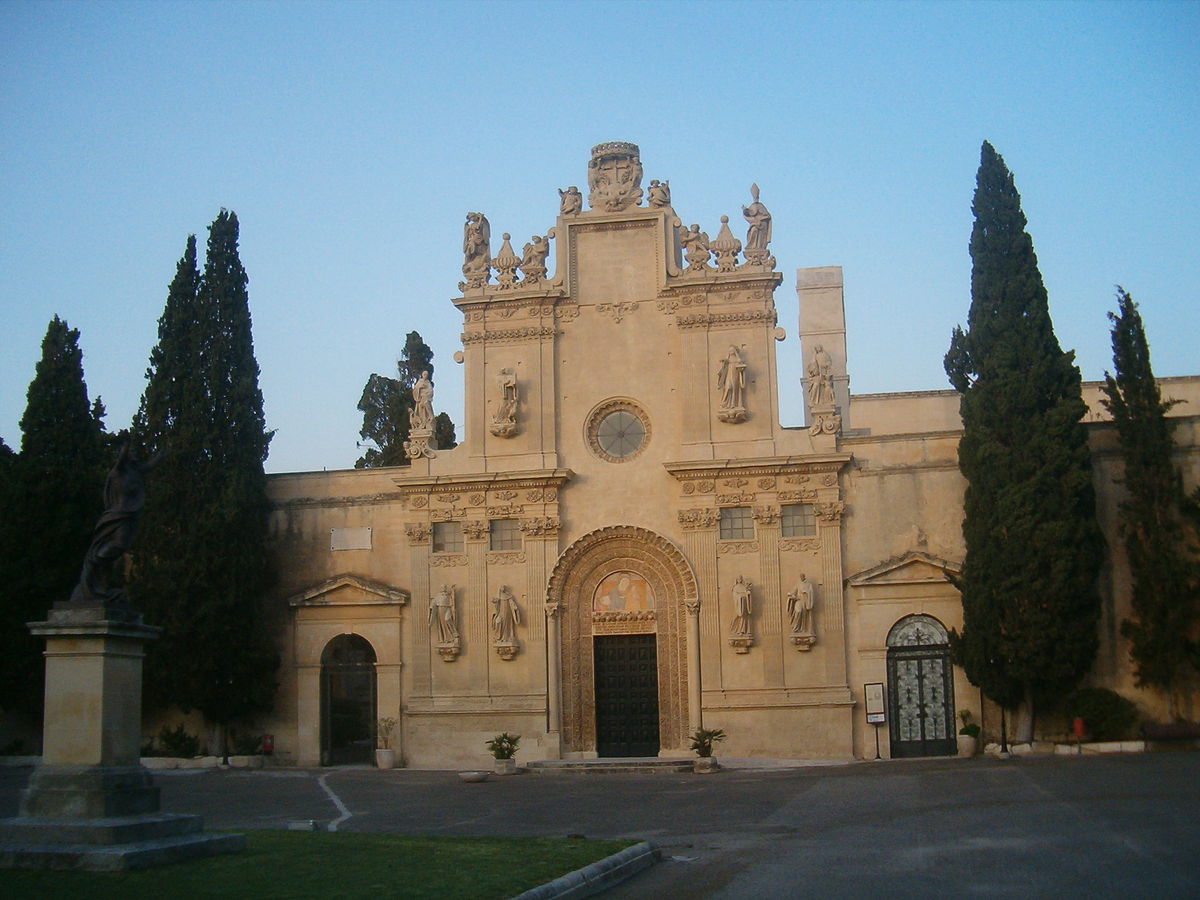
(626, 683)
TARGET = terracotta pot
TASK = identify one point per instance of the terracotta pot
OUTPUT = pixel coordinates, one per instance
(385, 759)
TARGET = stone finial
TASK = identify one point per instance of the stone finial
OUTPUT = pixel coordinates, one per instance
(615, 176)
(505, 262)
(726, 247)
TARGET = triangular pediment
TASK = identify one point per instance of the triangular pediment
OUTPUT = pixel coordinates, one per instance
(913, 567)
(350, 590)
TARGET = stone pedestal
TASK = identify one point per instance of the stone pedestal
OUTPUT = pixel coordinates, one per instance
(91, 804)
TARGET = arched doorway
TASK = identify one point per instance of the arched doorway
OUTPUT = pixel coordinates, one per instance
(920, 688)
(347, 701)
(623, 594)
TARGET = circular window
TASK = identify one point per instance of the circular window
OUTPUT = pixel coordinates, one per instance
(617, 430)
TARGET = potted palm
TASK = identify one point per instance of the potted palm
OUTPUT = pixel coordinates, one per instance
(702, 742)
(504, 747)
(968, 735)
(385, 756)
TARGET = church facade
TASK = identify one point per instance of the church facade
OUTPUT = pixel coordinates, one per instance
(627, 545)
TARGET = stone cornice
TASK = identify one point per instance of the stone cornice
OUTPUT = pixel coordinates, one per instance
(481, 483)
(758, 467)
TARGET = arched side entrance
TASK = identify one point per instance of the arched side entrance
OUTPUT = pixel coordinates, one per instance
(347, 701)
(920, 688)
(623, 594)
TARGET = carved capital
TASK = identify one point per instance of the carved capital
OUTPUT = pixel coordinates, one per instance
(831, 512)
(540, 526)
(766, 515)
(417, 532)
(697, 519)
(692, 605)
(475, 530)
(552, 610)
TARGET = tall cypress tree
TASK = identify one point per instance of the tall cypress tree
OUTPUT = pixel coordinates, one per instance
(51, 500)
(1159, 540)
(202, 568)
(387, 403)
(1033, 546)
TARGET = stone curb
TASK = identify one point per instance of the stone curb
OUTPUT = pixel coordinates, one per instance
(597, 877)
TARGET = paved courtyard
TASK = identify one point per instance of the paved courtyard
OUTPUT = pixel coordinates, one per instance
(1118, 826)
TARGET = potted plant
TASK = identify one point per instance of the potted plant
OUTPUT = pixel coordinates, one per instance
(385, 756)
(504, 747)
(968, 735)
(702, 743)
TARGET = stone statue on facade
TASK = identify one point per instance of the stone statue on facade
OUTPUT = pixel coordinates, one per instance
(506, 616)
(820, 378)
(533, 259)
(731, 383)
(422, 394)
(758, 234)
(740, 631)
(504, 422)
(615, 176)
(443, 617)
(726, 247)
(800, 611)
(570, 202)
(659, 194)
(124, 497)
(695, 248)
(477, 250)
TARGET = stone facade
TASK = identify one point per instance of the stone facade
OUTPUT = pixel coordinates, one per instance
(624, 482)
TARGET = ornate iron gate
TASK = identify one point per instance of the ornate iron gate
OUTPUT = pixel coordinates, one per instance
(920, 689)
(626, 695)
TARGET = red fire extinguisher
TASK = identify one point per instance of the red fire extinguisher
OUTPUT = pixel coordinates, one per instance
(268, 743)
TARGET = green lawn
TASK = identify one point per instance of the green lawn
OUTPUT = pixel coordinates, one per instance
(278, 864)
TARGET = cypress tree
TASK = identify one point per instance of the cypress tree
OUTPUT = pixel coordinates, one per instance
(387, 403)
(203, 568)
(1033, 546)
(51, 499)
(1159, 540)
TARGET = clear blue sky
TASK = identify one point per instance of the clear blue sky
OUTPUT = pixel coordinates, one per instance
(350, 138)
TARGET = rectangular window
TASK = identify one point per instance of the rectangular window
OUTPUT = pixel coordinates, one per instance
(447, 537)
(737, 523)
(504, 534)
(798, 520)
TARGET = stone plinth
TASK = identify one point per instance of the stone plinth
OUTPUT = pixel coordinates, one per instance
(91, 804)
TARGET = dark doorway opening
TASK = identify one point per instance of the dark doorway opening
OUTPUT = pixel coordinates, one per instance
(347, 701)
(626, 695)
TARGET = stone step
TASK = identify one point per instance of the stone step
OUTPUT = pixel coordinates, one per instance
(118, 857)
(628, 766)
(109, 831)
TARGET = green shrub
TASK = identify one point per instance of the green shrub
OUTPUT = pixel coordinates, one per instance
(1107, 716)
(703, 740)
(177, 742)
(503, 746)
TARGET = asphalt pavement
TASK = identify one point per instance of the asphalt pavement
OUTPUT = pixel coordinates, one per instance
(1111, 826)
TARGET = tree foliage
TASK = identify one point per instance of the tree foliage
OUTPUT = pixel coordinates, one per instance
(387, 403)
(201, 565)
(51, 498)
(1033, 546)
(1160, 541)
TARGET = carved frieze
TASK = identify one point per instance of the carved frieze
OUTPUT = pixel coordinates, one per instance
(706, 320)
(741, 497)
(505, 557)
(797, 496)
(695, 519)
(504, 512)
(796, 544)
(508, 334)
(732, 547)
(617, 310)
(540, 526)
(448, 560)
(417, 532)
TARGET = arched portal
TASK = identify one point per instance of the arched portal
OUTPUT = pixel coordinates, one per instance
(920, 688)
(347, 701)
(624, 595)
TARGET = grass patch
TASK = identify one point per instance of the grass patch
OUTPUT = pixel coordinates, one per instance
(288, 864)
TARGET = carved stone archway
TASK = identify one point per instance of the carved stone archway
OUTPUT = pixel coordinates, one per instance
(672, 584)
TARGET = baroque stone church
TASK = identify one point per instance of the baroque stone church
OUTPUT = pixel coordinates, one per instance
(627, 545)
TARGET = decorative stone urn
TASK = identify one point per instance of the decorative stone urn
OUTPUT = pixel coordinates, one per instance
(705, 765)
(967, 745)
(385, 759)
(506, 767)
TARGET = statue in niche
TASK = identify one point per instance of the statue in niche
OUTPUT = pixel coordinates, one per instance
(441, 614)
(506, 616)
(820, 378)
(758, 234)
(695, 248)
(477, 249)
(533, 259)
(124, 497)
(731, 383)
(422, 413)
(800, 611)
(504, 422)
(659, 193)
(742, 607)
(570, 201)
(615, 176)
